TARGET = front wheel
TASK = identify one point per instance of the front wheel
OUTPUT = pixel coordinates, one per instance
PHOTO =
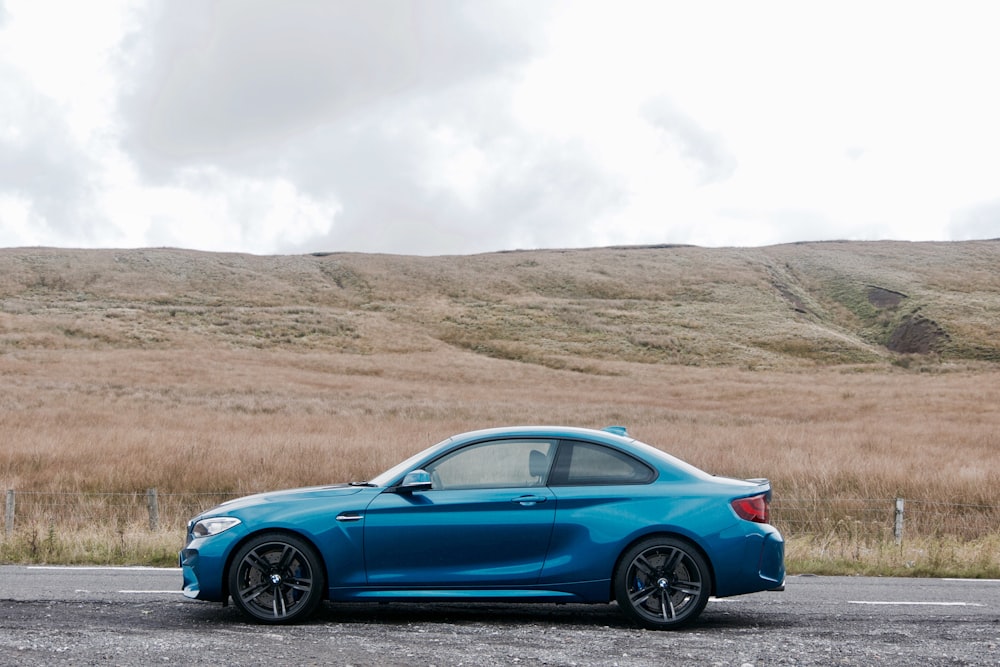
(662, 583)
(276, 578)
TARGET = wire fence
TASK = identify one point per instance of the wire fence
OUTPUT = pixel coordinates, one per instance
(158, 511)
(884, 519)
(880, 519)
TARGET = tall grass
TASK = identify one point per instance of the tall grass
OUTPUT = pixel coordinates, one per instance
(236, 422)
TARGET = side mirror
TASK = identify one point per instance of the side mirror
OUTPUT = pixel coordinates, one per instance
(416, 480)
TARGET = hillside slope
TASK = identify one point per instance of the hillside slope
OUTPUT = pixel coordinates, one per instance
(775, 307)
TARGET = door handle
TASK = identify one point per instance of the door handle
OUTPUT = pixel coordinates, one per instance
(528, 500)
(349, 516)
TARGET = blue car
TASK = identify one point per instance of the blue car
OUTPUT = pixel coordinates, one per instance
(520, 514)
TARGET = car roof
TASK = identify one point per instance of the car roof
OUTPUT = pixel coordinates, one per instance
(547, 432)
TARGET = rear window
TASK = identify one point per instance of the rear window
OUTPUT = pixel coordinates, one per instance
(589, 464)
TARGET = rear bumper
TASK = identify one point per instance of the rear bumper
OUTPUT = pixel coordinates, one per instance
(755, 562)
(772, 559)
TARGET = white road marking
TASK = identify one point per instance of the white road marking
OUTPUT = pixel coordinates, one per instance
(925, 604)
(158, 592)
(112, 568)
(974, 581)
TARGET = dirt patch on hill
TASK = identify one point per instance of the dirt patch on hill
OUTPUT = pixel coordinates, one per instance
(881, 297)
(916, 335)
(793, 300)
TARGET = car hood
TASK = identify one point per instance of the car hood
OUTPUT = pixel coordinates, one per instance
(287, 495)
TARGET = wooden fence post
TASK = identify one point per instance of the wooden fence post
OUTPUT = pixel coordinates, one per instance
(897, 529)
(8, 514)
(154, 509)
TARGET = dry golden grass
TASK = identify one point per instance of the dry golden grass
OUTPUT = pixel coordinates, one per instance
(188, 372)
(237, 420)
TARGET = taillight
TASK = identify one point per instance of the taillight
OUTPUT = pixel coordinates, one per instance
(754, 508)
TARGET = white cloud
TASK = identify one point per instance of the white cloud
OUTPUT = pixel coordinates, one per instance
(706, 150)
(214, 79)
(980, 221)
(450, 127)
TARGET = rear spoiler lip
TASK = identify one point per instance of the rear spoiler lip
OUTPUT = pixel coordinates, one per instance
(762, 481)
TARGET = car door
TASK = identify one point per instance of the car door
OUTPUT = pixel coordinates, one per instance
(486, 521)
(603, 495)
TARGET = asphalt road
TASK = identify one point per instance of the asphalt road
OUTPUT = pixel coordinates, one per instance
(137, 616)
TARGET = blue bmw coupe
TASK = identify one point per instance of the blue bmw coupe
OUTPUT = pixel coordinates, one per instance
(520, 514)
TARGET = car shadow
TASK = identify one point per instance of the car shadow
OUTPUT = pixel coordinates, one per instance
(496, 614)
(500, 615)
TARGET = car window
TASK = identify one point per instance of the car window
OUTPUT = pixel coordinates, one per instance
(585, 463)
(494, 464)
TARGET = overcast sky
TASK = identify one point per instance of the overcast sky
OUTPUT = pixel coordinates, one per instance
(442, 127)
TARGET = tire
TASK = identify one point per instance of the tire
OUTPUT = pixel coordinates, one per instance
(276, 578)
(662, 583)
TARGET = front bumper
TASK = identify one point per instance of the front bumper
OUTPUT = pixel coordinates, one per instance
(187, 559)
(203, 565)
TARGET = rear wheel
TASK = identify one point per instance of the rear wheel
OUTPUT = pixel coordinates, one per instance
(662, 583)
(276, 578)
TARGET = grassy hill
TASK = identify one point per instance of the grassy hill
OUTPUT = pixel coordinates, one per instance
(778, 307)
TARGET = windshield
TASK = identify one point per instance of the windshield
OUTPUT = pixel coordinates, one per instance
(397, 471)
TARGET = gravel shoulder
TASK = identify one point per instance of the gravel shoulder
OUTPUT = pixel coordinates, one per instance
(816, 621)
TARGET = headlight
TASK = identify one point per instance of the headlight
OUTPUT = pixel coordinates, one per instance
(214, 526)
